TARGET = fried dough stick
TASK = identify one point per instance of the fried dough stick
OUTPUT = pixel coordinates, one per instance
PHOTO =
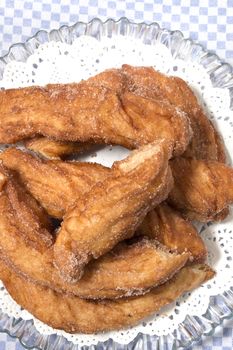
(88, 112)
(47, 180)
(57, 153)
(52, 149)
(25, 212)
(44, 179)
(57, 184)
(145, 81)
(113, 209)
(77, 315)
(167, 226)
(202, 190)
(128, 269)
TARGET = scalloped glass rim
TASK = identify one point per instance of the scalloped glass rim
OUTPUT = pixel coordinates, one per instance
(221, 74)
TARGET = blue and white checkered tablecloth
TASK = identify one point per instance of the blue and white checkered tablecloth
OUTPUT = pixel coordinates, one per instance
(210, 22)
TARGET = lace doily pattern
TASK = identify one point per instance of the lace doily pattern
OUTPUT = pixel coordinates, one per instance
(85, 56)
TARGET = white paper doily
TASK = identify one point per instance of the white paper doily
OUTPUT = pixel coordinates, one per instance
(57, 62)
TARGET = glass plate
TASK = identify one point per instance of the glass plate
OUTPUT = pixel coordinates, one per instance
(221, 74)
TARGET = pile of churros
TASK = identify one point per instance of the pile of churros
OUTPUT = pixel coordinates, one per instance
(123, 245)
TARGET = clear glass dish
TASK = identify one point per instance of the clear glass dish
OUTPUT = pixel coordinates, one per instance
(221, 74)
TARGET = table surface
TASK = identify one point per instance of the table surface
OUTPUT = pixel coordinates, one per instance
(210, 22)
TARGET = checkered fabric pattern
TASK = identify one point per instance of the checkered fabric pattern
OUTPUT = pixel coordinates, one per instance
(209, 22)
(221, 340)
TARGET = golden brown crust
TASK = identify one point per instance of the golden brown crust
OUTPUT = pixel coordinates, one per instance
(27, 217)
(116, 274)
(206, 142)
(112, 79)
(168, 227)
(111, 211)
(202, 190)
(146, 82)
(77, 315)
(171, 92)
(52, 149)
(127, 270)
(56, 185)
(131, 107)
(90, 112)
(141, 109)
